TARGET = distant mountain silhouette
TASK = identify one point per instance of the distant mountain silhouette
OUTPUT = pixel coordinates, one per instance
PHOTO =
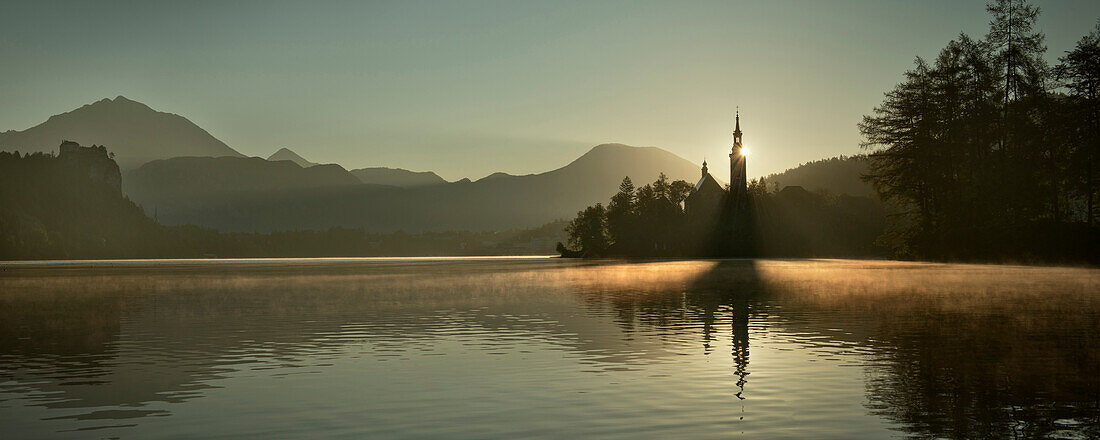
(130, 129)
(286, 154)
(201, 178)
(494, 176)
(397, 177)
(70, 206)
(837, 175)
(607, 164)
(187, 195)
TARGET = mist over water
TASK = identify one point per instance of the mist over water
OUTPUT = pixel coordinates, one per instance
(474, 348)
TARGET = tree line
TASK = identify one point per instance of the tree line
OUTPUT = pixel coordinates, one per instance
(636, 221)
(987, 151)
(650, 221)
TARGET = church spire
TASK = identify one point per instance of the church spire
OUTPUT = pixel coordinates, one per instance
(737, 128)
(738, 180)
(704, 167)
(737, 124)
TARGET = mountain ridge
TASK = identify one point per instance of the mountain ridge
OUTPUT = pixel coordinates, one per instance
(397, 177)
(135, 132)
(504, 202)
(211, 177)
(288, 154)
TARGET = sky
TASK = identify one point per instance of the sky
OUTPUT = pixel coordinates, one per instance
(467, 88)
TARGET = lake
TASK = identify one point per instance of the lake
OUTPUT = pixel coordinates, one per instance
(547, 348)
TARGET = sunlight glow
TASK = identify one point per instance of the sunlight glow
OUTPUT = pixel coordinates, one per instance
(744, 151)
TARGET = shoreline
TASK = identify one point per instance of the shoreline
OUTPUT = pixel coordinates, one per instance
(245, 261)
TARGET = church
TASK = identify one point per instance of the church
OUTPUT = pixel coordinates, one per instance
(708, 199)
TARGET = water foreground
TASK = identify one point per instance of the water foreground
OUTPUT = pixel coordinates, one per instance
(475, 348)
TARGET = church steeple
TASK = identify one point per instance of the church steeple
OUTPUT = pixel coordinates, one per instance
(737, 128)
(738, 180)
(704, 167)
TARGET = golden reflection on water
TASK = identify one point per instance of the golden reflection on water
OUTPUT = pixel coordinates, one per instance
(929, 350)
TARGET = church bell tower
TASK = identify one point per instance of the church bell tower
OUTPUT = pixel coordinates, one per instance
(738, 182)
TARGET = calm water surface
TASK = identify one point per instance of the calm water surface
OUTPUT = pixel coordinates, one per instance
(548, 348)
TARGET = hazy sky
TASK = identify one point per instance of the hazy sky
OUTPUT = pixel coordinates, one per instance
(465, 88)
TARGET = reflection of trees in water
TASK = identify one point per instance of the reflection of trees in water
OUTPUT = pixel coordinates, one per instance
(32, 320)
(70, 332)
(988, 374)
(958, 351)
(85, 335)
(964, 351)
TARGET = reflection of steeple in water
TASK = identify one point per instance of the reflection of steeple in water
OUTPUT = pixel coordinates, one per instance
(739, 334)
(739, 340)
(708, 330)
(728, 287)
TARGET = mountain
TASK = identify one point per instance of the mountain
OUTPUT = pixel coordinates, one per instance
(286, 154)
(207, 178)
(70, 205)
(494, 176)
(397, 177)
(130, 129)
(837, 175)
(605, 166)
(500, 203)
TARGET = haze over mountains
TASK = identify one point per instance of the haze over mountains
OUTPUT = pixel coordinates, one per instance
(373, 175)
(206, 176)
(187, 176)
(397, 177)
(319, 201)
(286, 154)
(130, 129)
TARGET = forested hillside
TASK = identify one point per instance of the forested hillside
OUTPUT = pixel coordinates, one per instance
(70, 206)
(835, 175)
(53, 207)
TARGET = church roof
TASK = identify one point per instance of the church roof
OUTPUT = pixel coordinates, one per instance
(708, 182)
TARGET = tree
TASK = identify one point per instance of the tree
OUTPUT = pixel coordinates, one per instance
(679, 190)
(645, 197)
(928, 140)
(588, 232)
(1079, 72)
(976, 155)
(758, 189)
(661, 187)
(620, 213)
(638, 221)
(1017, 47)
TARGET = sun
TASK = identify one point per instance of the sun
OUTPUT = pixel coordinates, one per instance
(744, 151)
